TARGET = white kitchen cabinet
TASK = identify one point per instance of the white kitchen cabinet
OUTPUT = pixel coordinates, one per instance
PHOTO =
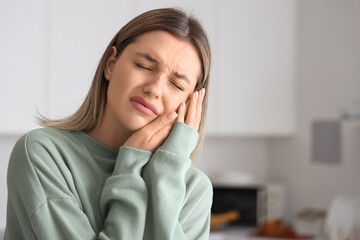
(80, 33)
(54, 56)
(256, 68)
(24, 47)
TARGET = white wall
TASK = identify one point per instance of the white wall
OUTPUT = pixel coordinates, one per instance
(234, 155)
(328, 81)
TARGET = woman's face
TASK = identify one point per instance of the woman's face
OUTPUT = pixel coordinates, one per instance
(152, 76)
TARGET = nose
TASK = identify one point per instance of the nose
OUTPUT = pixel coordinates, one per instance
(153, 87)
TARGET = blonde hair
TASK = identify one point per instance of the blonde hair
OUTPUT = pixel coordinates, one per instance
(174, 21)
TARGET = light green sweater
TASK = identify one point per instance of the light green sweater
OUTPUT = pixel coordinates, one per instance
(67, 185)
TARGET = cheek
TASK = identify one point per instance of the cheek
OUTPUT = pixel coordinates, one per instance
(118, 90)
(122, 82)
(174, 102)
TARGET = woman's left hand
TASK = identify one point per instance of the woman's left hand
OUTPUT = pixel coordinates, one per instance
(190, 112)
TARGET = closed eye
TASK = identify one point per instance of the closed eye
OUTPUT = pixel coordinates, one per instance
(143, 67)
(176, 85)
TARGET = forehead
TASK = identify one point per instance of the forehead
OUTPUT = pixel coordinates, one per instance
(174, 53)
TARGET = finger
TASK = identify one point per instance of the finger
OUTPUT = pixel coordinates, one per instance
(187, 104)
(160, 136)
(181, 113)
(199, 108)
(160, 122)
(191, 114)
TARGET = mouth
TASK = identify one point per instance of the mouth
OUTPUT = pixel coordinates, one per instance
(143, 106)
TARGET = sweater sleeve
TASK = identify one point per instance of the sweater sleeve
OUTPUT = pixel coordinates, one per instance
(56, 213)
(124, 198)
(171, 213)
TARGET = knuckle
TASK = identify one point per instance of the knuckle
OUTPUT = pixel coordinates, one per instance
(163, 121)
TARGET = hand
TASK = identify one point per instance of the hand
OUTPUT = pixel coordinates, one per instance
(152, 135)
(193, 111)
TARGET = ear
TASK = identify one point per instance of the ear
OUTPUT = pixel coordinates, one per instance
(110, 63)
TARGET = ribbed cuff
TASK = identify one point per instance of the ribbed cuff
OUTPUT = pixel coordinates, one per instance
(182, 139)
(131, 160)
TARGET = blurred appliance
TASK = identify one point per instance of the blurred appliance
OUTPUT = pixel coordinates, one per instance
(256, 203)
(310, 221)
(343, 218)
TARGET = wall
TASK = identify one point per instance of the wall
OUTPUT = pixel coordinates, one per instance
(328, 81)
(234, 155)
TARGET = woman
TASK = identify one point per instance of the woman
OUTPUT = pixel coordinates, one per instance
(119, 167)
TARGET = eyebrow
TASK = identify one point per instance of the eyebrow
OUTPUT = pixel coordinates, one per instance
(151, 59)
(147, 57)
(178, 75)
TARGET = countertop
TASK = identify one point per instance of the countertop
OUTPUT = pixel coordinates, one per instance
(231, 233)
(239, 233)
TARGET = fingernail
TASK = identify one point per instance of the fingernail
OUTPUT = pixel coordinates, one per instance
(196, 95)
(171, 116)
(183, 106)
(202, 92)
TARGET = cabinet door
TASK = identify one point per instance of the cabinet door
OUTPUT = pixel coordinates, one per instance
(23, 63)
(256, 67)
(80, 33)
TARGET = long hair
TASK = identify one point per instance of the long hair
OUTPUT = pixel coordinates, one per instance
(174, 21)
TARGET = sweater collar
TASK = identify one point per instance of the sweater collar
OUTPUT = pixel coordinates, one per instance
(95, 146)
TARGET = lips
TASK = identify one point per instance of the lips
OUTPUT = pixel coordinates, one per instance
(143, 106)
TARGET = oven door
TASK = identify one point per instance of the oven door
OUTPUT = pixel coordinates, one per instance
(247, 201)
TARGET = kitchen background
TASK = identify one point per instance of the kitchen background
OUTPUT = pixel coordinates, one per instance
(278, 67)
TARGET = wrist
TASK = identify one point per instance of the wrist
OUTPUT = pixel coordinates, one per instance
(182, 139)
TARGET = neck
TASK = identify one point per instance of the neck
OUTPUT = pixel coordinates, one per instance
(106, 133)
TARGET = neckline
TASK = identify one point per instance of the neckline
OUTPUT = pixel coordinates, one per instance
(95, 146)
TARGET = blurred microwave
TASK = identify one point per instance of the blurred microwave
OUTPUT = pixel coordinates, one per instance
(255, 203)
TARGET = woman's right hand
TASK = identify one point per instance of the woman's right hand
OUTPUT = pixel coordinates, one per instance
(152, 135)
